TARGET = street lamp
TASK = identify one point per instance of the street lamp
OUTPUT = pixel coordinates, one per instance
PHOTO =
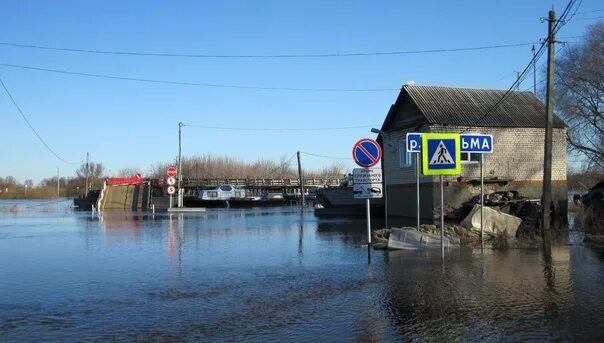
(380, 132)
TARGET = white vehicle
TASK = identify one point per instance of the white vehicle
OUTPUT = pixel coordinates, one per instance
(223, 192)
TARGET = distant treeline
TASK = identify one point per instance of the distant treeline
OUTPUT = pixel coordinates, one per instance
(199, 167)
(210, 166)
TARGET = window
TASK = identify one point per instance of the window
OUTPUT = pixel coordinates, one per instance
(212, 194)
(468, 157)
(404, 155)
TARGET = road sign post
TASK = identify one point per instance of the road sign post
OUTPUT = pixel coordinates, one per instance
(475, 143)
(441, 155)
(367, 153)
(413, 145)
(171, 172)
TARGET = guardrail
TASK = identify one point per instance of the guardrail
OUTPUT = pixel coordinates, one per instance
(312, 182)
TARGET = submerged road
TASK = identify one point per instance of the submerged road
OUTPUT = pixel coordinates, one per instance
(273, 274)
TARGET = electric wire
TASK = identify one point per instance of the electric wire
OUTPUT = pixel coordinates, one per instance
(590, 18)
(31, 126)
(592, 11)
(325, 156)
(271, 56)
(197, 84)
(557, 25)
(278, 129)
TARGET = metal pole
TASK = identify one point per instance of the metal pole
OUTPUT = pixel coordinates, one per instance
(547, 160)
(368, 225)
(385, 196)
(481, 195)
(417, 187)
(180, 193)
(301, 179)
(442, 219)
(171, 201)
(58, 185)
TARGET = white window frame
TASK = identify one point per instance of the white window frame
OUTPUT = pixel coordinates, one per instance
(405, 157)
(469, 160)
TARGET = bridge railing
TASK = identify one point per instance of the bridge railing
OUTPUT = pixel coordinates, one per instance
(257, 182)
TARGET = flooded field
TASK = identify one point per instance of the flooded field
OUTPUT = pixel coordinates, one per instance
(274, 275)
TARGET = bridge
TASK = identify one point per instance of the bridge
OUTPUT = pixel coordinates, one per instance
(262, 183)
(258, 185)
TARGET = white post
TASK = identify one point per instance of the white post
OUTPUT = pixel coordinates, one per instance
(417, 186)
(481, 195)
(442, 219)
(171, 200)
(180, 194)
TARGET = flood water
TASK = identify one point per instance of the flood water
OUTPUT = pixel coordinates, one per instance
(275, 275)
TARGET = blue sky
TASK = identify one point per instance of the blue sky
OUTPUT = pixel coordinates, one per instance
(126, 124)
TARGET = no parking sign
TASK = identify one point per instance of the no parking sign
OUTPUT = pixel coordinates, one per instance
(367, 153)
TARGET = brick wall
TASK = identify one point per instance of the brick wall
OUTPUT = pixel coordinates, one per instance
(517, 156)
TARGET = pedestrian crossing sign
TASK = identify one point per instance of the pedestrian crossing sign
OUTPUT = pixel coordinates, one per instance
(441, 153)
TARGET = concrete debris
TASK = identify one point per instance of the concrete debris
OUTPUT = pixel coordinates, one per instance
(411, 239)
(495, 222)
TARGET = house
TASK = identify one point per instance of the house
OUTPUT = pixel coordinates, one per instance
(517, 124)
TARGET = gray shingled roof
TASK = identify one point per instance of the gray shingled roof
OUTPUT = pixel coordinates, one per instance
(474, 107)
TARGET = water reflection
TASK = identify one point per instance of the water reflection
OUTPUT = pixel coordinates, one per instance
(499, 294)
(280, 275)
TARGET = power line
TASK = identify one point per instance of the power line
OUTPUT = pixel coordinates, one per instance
(278, 129)
(324, 55)
(557, 25)
(590, 18)
(593, 11)
(31, 126)
(197, 84)
(325, 156)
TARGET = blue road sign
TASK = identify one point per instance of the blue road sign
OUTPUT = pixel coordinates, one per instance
(477, 143)
(414, 142)
(366, 153)
(441, 154)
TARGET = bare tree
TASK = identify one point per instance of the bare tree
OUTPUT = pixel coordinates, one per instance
(579, 96)
(127, 172)
(95, 174)
(95, 170)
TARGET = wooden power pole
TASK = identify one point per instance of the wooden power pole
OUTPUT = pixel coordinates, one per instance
(549, 104)
(87, 173)
(301, 179)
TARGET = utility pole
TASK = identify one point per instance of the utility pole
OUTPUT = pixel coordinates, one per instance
(547, 159)
(87, 173)
(301, 180)
(534, 71)
(58, 185)
(517, 80)
(180, 191)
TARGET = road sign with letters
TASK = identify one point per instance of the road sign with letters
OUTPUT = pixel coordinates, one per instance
(477, 143)
(414, 142)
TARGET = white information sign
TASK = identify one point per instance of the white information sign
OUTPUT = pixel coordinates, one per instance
(367, 183)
